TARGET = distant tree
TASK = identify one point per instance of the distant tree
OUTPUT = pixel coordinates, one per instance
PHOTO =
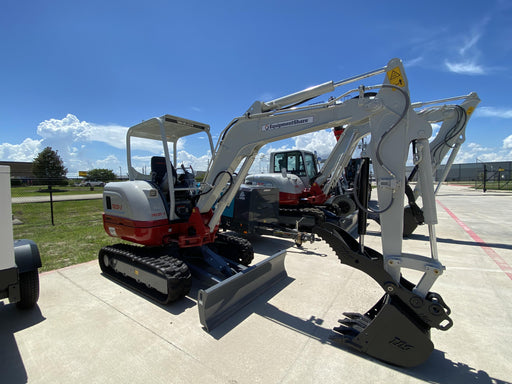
(104, 175)
(49, 168)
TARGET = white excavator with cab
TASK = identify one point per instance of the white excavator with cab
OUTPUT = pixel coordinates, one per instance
(174, 224)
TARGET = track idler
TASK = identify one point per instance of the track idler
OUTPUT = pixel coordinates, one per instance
(396, 329)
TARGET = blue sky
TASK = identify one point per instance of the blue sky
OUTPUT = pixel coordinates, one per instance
(74, 75)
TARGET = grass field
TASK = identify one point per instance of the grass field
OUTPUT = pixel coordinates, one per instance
(76, 237)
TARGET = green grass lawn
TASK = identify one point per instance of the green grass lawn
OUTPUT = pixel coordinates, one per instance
(76, 237)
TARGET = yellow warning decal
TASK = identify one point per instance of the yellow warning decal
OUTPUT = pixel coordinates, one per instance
(470, 111)
(395, 77)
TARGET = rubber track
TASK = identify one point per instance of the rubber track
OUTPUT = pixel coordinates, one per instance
(300, 212)
(173, 270)
(235, 248)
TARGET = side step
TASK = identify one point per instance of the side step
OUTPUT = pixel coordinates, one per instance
(220, 301)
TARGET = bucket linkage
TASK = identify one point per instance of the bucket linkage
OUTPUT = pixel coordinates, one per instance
(396, 329)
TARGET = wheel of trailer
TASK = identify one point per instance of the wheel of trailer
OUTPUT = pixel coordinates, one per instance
(344, 205)
(234, 248)
(29, 289)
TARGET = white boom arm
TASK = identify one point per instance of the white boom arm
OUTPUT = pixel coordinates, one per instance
(242, 139)
(451, 135)
(340, 156)
(393, 126)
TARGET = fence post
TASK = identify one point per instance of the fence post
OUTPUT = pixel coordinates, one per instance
(485, 178)
(51, 202)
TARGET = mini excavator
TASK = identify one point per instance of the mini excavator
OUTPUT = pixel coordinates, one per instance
(172, 222)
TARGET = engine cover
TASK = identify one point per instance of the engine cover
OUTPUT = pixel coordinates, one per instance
(290, 187)
(135, 211)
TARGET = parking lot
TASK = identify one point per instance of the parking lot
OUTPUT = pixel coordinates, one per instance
(88, 329)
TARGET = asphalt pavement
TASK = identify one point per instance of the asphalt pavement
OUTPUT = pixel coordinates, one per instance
(88, 329)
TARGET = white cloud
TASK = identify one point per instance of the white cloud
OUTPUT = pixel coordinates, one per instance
(470, 43)
(494, 112)
(465, 68)
(67, 127)
(71, 129)
(26, 151)
(198, 163)
(321, 142)
(80, 144)
(471, 151)
(507, 142)
(109, 162)
(435, 130)
(413, 62)
(467, 59)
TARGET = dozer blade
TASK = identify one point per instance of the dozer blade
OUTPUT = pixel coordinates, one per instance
(397, 328)
(220, 301)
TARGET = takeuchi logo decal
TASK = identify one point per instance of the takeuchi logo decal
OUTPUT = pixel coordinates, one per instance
(289, 123)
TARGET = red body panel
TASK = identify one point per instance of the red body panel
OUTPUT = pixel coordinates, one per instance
(310, 196)
(288, 198)
(191, 233)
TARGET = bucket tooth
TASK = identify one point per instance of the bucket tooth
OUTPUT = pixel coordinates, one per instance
(358, 322)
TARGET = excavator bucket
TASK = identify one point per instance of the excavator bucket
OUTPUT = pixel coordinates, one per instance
(386, 333)
(396, 330)
(220, 301)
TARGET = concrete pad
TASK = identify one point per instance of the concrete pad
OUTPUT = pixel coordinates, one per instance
(88, 329)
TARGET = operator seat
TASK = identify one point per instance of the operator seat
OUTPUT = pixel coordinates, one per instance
(159, 173)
